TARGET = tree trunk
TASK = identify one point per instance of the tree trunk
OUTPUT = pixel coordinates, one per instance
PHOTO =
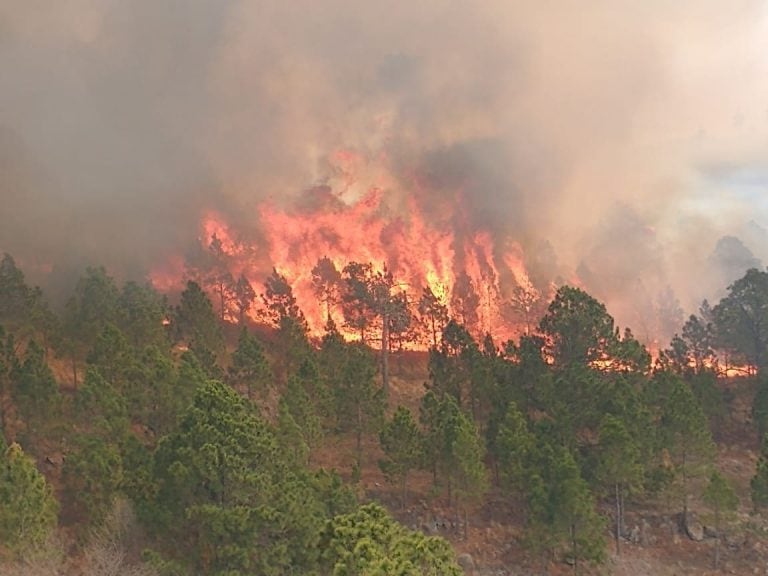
(618, 519)
(74, 372)
(685, 487)
(221, 300)
(359, 437)
(574, 547)
(717, 539)
(385, 353)
(403, 489)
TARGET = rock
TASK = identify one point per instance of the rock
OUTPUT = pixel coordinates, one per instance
(429, 528)
(54, 460)
(691, 527)
(710, 532)
(735, 541)
(467, 563)
(646, 536)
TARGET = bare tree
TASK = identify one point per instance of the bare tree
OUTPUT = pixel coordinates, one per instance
(107, 551)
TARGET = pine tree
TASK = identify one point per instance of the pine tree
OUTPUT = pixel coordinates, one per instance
(36, 392)
(87, 312)
(514, 442)
(245, 296)
(368, 542)
(101, 409)
(141, 316)
(289, 435)
(28, 509)
(433, 315)
(741, 318)
(721, 498)
(685, 432)
(281, 310)
(92, 474)
(468, 469)
(561, 508)
(113, 357)
(359, 402)
(575, 512)
(250, 367)
(401, 442)
(439, 418)
(227, 493)
(578, 328)
(158, 394)
(9, 364)
(327, 285)
(14, 293)
(759, 483)
(297, 402)
(619, 467)
(195, 321)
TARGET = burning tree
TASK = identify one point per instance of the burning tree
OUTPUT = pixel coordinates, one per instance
(219, 277)
(369, 302)
(282, 311)
(465, 302)
(244, 296)
(327, 285)
(527, 305)
(433, 315)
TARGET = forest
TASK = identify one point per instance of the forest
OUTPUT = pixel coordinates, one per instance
(147, 434)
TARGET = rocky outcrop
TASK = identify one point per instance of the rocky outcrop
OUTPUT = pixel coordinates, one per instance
(467, 563)
(691, 526)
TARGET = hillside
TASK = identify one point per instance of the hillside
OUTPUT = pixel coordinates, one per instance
(166, 441)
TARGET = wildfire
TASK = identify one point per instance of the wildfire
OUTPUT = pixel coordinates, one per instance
(467, 270)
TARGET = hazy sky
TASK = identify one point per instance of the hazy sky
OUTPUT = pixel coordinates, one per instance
(618, 131)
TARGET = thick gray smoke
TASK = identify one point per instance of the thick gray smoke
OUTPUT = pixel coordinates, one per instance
(621, 139)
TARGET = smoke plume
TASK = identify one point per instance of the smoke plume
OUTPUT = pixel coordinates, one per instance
(619, 139)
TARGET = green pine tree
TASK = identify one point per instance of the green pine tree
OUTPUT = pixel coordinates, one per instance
(401, 442)
(514, 442)
(368, 542)
(36, 393)
(28, 509)
(619, 467)
(301, 408)
(196, 322)
(359, 402)
(721, 498)
(290, 436)
(92, 475)
(759, 483)
(685, 433)
(250, 367)
(468, 471)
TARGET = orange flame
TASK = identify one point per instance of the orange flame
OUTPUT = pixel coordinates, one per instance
(347, 225)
